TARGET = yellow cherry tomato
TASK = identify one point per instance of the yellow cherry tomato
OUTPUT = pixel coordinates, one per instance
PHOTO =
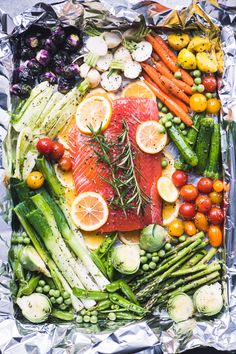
(216, 198)
(35, 180)
(218, 186)
(176, 228)
(198, 102)
(213, 105)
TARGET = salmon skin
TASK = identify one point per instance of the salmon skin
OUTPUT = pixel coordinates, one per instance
(90, 174)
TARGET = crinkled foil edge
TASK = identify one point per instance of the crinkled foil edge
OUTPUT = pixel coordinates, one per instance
(156, 335)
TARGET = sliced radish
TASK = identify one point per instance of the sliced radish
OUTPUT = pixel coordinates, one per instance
(97, 45)
(142, 52)
(132, 69)
(104, 62)
(112, 82)
(84, 69)
(94, 78)
(122, 54)
(112, 39)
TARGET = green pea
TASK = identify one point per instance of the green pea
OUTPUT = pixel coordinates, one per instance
(20, 239)
(94, 313)
(164, 109)
(182, 238)
(67, 301)
(208, 95)
(116, 307)
(160, 105)
(51, 292)
(164, 163)
(65, 295)
(93, 319)
(113, 307)
(86, 318)
(42, 282)
(161, 130)
(149, 255)
(169, 116)
(177, 120)
(197, 81)
(62, 307)
(39, 289)
(194, 88)
(182, 126)
(83, 312)
(46, 288)
(143, 259)
(167, 246)
(197, 73)
(161, 253)
(163, 120)
(152, 265)
(214, 94)
(59, 300)
(112, 316)
(145, 267)
(142, 252)
(184, 132)
(57, 293)
(168, 124)
(88, 312)
(201, 88)
(154, 254)
(26, 240)
(52, 299)
(79, 319)
(155, 259)
(23, 234)
(178, 75)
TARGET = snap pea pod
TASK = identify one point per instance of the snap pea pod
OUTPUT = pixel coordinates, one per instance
(63, 315)
(109, 267)
(125, 288)
(30, 286)
(103, 305)
(90, 294)
(121, 301)
(127, 316)
(99, 263)
(106, 245)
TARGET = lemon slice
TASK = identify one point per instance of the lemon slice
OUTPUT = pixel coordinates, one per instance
(65, 177)
(138, 89)
(89, 211)
(93, 239)
(130, 237)
(94, 112)
(170, 212)
(167, 190)
(170, 169)
(150, 137)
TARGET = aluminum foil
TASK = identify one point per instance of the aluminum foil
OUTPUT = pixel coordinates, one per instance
(158, 333)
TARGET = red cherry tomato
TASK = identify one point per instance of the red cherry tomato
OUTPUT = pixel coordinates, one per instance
(209, 83)
(179, 178)
(203, 204)
(216, 216)
(205, 185)
(65, 163)
(57, 151)
(45, 146)
(189, 193)
(187, 211)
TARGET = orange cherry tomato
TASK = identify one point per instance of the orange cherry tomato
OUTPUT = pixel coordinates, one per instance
(189, 192)
(203, 204)
(176, 228)
(216, 198)
(215, 236)
(201, 222)
(190, 228)
(218, 186)
(213, 105)
(198, 102)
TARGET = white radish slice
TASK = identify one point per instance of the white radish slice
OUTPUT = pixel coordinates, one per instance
(111, 83)
(112, 39)
(142, 52)
(104, 62)
(94, 78)
(97, 45)
(84, 69)
(122, 54)
(132, 69)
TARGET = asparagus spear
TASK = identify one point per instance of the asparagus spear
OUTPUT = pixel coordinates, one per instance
(195, 259)
(188, 270)
(182, 245)
(210, 254)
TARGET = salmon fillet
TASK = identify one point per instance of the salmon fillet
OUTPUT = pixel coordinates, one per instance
(87, 171)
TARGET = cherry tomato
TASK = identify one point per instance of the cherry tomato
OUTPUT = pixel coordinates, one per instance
(190, 228)
(215, 236)
(35, 180)
(201, 222)
(216, 216)
(198, 102)
(216, 198)
(209, 83)
(213, 105)
(65, 163)
(204, 185)
(57, 151)
(219, 83)
(176, 228)
(203, 204)
(189, 193)
(45, 146)
(187, 211)
(218, 186)
(179, 178)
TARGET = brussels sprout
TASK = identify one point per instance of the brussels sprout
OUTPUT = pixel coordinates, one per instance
(43, 57)
(27, 53)
(25, 76)
(208, 299)
(126, 258)
(49, 45)
(59, 62)
(32, 42)
(49, 76)
(36, 307)
(71, 71)
(152, 238)
(22, 91)
(73, 42)
(35, 67)
(180, 307)
(58, 35)
(30, 260)
(64, 85)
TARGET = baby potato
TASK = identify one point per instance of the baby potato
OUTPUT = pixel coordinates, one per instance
(178, 40)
